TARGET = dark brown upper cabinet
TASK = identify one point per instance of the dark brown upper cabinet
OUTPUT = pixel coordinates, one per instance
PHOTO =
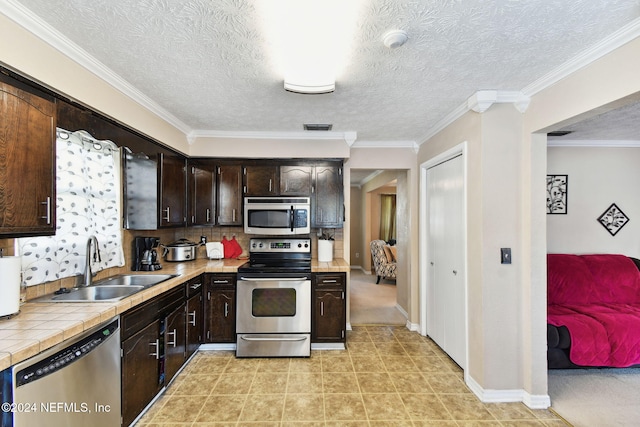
(229, 195)
(172, 200)
(202, 196)
(296, 180)
(261, 180)
(327, 200)
(27, 160)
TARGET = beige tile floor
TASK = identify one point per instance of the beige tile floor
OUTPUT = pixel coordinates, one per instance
(388, 376)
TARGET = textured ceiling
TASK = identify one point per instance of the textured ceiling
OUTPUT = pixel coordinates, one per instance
(205, 61)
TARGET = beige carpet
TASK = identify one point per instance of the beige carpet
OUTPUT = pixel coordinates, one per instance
(596, 397)
(373, 304)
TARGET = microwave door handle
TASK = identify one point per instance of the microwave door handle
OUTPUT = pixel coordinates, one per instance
(292, 218)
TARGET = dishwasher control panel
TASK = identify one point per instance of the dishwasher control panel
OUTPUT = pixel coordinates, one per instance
(69, 354)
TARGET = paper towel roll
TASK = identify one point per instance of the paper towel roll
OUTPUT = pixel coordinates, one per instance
(10, 285)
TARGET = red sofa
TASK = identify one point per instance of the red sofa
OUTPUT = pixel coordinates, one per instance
(593, 311)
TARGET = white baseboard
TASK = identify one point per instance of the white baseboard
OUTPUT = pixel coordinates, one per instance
(413, 327)
(503, 396)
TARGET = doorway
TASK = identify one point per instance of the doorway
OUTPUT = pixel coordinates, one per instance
(372, 303)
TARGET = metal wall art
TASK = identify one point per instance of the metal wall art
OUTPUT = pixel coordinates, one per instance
(557, 194)
(613, 219)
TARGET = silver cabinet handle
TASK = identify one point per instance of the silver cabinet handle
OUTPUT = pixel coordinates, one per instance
(270, 185)
(192, 320)
(233, 215)
(226, 309)
(208, 214)
(220, 281)
(321, 308)
(167, 218)
(329, 281)
(47, 215)
(172, 343)
(157, 353)
(195, 285)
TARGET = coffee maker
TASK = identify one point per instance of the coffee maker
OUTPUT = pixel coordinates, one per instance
(145, 256)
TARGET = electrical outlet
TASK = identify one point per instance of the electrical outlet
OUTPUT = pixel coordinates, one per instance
(505, 255)
(357, 254)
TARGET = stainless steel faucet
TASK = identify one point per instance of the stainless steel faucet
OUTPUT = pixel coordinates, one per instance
(88, 275)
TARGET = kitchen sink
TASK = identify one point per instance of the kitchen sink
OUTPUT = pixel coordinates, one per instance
(96, 293)
(108, 290)
(144, 280)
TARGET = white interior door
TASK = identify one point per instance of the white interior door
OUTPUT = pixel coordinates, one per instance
(446, 294)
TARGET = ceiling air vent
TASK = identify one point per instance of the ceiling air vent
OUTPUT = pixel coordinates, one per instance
(560, 133)
(317, 126)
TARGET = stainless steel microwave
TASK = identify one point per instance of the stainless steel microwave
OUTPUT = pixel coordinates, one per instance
(277, 216)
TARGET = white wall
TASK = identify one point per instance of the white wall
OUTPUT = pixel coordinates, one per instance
(598, 176)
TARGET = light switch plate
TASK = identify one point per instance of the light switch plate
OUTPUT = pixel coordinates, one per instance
(505, 255)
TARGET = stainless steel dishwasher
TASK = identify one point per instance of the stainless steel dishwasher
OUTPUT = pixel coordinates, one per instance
(76, 383)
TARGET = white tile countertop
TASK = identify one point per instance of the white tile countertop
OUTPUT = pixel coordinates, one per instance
(41, 325)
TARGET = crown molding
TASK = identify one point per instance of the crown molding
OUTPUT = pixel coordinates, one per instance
(348, 137)
(593, 143)
(604, 47)
(620, 37)
(483, 99)
(32, 23)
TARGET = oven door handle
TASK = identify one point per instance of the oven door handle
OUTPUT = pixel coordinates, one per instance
(298, 338)
(273, 279)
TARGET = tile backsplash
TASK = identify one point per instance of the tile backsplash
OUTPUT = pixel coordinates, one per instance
(213, 234)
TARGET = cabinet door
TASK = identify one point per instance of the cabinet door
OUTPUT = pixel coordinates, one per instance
(202, 191)
(175, 342)
(194, 324)
(230, 195)
(140, 371)
(329, 308)
(261, 180)
(220, 309)
(27, 162)
(296, 180)
(173, 186)
(327, 202)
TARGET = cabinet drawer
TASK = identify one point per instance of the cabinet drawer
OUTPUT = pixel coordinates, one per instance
(336, 280)
(134, 320)
(221, 280)
(194, 286)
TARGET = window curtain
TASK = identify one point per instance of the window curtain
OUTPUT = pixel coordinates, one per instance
(388, 217)
(88, 200)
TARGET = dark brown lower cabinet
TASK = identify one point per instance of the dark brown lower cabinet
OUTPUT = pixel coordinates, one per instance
(140, 362)
(194, 324)
(154, 348)
(329, 311)
(175, 342)
(220, 308)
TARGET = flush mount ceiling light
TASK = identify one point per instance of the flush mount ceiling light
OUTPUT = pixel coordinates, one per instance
(308, 41)
(394, 38)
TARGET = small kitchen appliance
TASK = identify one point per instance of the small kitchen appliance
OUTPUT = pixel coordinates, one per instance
(273, 314)
(145, 255)
(180, 250)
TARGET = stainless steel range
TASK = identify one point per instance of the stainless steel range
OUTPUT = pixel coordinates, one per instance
(273, 316)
